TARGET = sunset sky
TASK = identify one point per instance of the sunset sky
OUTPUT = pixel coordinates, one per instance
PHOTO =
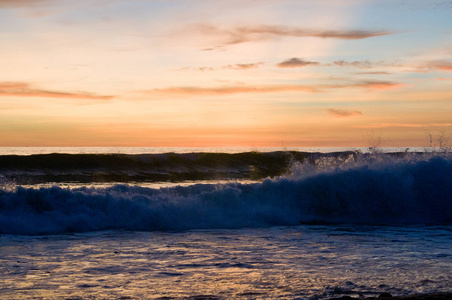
(225, 72)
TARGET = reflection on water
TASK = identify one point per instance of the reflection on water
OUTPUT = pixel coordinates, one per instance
(154, 185)
(293, 262)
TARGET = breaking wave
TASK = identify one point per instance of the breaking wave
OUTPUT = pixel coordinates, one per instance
(385, 192)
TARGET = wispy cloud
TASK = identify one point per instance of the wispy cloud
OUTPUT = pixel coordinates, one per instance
(405, 125)
(344, 112)
(443, 65)
(374, 73)
(243, 34)
(22, 3)
(367, 84)
(204, 69)
(296, 63)
(239, 89)
(362, 64)
(21, 89)
(243, 66)
(226, 90)
(356, 63)
(225, 67)
(365, 64)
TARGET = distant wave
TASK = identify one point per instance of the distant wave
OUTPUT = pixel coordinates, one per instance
(85, 168)
(384, 192)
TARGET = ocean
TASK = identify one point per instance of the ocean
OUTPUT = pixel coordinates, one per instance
(224, 223)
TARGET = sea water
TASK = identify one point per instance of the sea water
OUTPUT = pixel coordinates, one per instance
(333, 223)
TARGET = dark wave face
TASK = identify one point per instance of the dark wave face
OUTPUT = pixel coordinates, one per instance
(87, 168)
(389, 191)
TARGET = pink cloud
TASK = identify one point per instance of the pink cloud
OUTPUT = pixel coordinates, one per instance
(440, 65)
(243, 34)
(226, 90)
(344, 112)
(295, 63)
(368, 84)
(21, 89)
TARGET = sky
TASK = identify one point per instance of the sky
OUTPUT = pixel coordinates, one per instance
(219, 73)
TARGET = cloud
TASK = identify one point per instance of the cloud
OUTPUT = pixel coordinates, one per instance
(295, 63)
(374, 73)
(205, 69)
(227, 67)
(368, 84)
(344, 113)
(241, 89)
(405, 125)
(243, 34)
(443, 65)
(227, 90)
(21, 89)
(23, 3)
(357, 63)
(364, 64)
(243, 66)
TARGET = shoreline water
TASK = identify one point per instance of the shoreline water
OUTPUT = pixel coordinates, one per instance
(302, 262)
(387, 296)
